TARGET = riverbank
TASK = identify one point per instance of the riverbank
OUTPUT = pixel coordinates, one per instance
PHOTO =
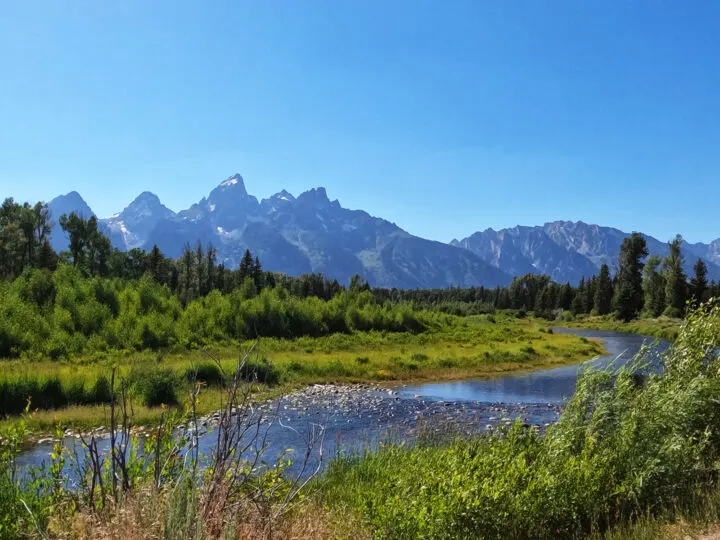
(662, 328)
(472, 347)
(623, 461)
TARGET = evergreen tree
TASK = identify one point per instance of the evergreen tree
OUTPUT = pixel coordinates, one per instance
(675, 280)
(542, 303)
(246, 266)
(201, 285)
(156, 265)
(578, 304)
(653, 287)
(590, 288)
(698, 283)
(187, 276)
(603, 292)
(629, 294)
(257, 274)
(565, 297)
(211, 276)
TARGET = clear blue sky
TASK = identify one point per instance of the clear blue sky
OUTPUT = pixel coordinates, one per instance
(445, 117)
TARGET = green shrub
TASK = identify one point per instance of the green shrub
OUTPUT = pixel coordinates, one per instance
(447, 362)
(206, 372)
(156, 387)
(362, 360)
(51, 395)
(101, 391)
(261, 371)
(75, 392)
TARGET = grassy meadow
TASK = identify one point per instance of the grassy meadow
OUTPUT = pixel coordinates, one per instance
(74, 393)
(666, 328)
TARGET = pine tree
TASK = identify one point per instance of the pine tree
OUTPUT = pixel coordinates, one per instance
(675, 280)
(590, 288)
(653, 287)
(699, 283)
(565, 297)
(578, 304)
(246, 266)
(156, 265)
(542, 303)
(257, 274)
(187, 276)
(629, 294)
(211, 277)
(604, 292)
(201, 285)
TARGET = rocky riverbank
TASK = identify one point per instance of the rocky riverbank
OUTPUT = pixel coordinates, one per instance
(369, 407)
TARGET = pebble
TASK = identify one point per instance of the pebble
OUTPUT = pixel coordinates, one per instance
(372, 406)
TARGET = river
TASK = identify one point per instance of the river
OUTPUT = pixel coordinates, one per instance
(348, 419)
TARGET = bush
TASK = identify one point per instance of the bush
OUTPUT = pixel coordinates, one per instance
(155, 388)
(101, 391)
(206, 372)
(261, 371)
(75, 392)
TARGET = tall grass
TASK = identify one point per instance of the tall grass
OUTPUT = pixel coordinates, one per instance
(663, 327)
(625, 448)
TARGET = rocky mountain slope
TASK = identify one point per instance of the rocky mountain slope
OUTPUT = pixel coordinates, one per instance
(311, 233)
(308, 233)
(568, 250)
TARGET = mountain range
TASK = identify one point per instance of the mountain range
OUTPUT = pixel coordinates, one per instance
(311, 233)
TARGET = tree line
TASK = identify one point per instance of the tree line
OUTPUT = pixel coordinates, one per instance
(94, 299)
(643, 285)
(25, 243)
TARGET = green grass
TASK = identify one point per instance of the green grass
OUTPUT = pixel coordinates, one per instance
(662, 327)
(466, 347)
(627, 459)
(694, 517)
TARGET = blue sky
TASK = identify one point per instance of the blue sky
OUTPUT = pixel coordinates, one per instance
(444, 117)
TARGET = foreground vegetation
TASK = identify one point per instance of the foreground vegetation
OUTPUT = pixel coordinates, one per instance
(629, 456)
(625, 448)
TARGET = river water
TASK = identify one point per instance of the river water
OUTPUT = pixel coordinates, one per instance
(350, 419)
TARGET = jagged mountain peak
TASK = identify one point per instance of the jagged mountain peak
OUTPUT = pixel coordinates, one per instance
(310, 233)
(233, 184)
(66, 204)
(316, 195)
(283, 195)
(277, 201)
(569, 250)
(147, 196)
(72, 200)
(147, 204)
(130, 228)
